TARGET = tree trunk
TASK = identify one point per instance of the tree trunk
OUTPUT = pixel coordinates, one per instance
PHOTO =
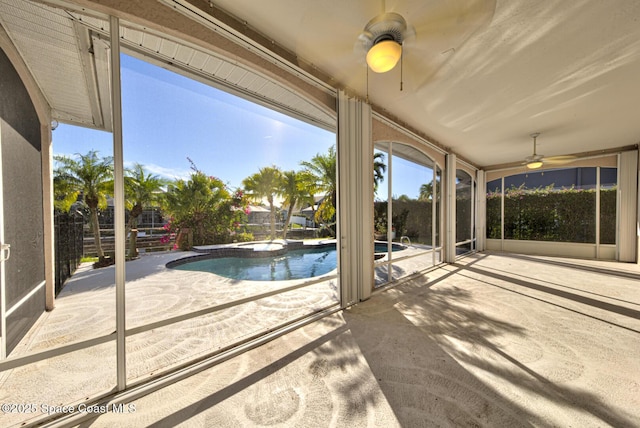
(131, 224)
(132, 232)
(95, 224)
(133, 243)
(272, 219)
(286, 223)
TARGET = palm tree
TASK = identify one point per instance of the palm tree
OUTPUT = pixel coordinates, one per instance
(203, 206)
(323, 170)
(91, 175)
(379, 168)
(293, 191)
(141, 189)
(426, 191)
(267, 183)
(65, 194)
(309, 188)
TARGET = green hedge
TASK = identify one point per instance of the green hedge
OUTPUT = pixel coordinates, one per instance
(545, 214)
(463, 216)
(411, 218)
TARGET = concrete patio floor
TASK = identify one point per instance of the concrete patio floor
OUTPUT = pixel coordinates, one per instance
(495, 340)
(85, 311)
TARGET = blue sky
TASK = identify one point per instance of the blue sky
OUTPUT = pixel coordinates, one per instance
(168, 117)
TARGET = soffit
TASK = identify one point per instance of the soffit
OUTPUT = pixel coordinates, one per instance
(49, 44)
(66, 51)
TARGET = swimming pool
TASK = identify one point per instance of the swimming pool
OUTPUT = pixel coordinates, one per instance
(316, 260)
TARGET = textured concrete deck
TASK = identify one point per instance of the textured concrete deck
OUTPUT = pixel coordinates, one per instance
(493, 340)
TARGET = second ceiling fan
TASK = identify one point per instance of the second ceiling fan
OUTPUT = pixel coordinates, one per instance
(536, 161)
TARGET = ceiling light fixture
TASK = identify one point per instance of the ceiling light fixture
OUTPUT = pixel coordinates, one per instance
(382, 40)
(534, 164)
(384, 55)
(534, 161)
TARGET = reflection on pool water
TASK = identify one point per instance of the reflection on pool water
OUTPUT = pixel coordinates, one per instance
(295, 264)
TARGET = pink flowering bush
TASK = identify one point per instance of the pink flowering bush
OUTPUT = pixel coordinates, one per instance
(169, 233)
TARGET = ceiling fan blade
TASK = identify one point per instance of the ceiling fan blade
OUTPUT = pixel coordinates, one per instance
(449, 22)
(441, 29)
(344, 39)
(533, 158)
(559, 160)
(435, 30)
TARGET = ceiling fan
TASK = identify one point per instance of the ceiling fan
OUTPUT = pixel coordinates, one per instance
(421, 36)
(381, 41)
(536, 161)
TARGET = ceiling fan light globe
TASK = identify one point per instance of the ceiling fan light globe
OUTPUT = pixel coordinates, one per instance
(384, 55)
(535, 164)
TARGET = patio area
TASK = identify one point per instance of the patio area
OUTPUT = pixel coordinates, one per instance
(85, 310)
(493, 340)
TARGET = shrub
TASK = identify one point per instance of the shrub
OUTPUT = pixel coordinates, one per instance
(205, 206)
(243, 237)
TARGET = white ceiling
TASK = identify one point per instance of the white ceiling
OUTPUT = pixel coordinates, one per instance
(481, 75)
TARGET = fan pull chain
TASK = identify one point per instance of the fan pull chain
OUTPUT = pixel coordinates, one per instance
(401, 68)
(367, 85)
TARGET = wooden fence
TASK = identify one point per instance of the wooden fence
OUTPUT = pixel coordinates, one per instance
(152, 240)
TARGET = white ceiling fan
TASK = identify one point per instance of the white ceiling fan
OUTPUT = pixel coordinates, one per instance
(536, 161)
(425, 34)
(381, 41)
(431, 36)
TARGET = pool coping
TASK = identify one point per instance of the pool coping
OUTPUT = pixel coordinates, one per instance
(249, 250)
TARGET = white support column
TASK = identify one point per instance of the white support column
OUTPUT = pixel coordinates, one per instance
(389, 210)
(355, 199)
(119, 224)
(481, 207)
(450, 210)
(434, 223)
(502, 194)
(597, 219)
(627, 212)
(473, 217)
(47, 217)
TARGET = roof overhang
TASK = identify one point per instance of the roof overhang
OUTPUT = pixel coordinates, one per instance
(67, 52)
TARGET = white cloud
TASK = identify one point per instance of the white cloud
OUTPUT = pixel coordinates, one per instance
(170, 173)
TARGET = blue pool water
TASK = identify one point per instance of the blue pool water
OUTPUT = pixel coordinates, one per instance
(295, 264)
